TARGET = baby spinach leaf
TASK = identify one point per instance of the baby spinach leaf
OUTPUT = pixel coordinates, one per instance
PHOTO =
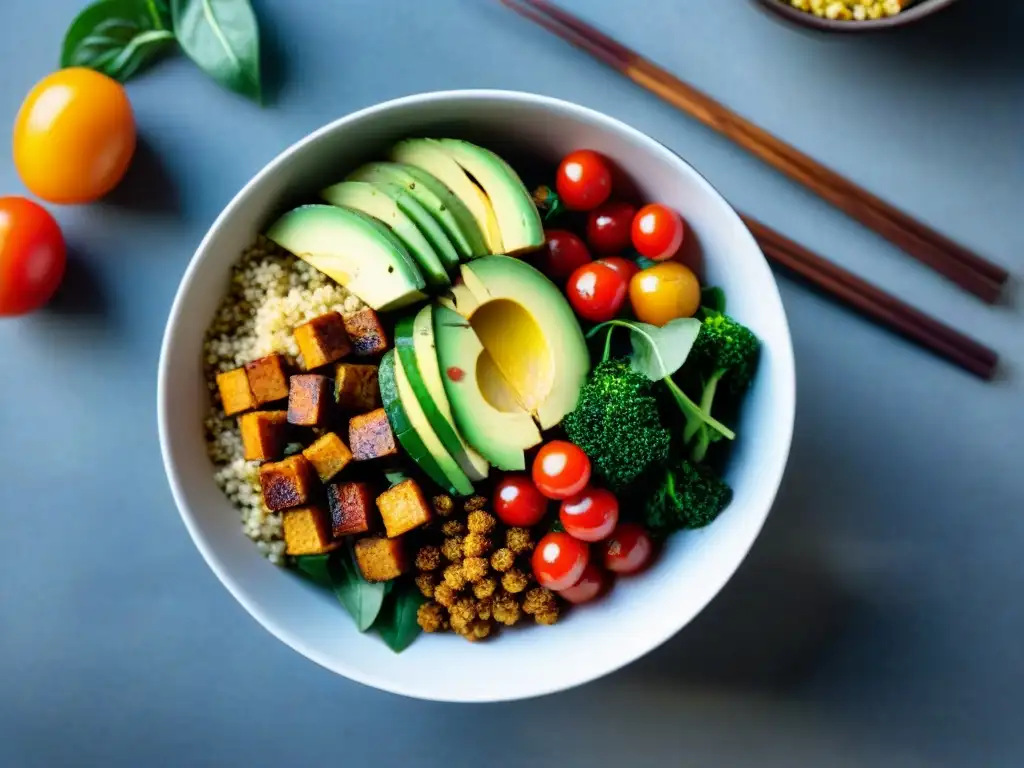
(361, 598)
(397, 622)
(222, 37)
(118, 37)
(657, 352)
(316, 568)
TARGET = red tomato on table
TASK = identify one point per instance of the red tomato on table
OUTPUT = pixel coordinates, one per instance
(584, 180)
(609, 226)
(517, 502)
(32, 256)
(628, 550)
(596, 291)
(657, 232)
(559, 560)
(561, 470)
(591, 515)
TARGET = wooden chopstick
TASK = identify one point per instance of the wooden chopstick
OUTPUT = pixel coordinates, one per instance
(874, 303)
(950, 259)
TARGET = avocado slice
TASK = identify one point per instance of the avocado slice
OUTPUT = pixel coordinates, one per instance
(518, 218)
(459, 298)
(429, 156)
(354, 250)
(449, 216)
(375, 202)
(414, 342)
(528, 327)
(486, 412)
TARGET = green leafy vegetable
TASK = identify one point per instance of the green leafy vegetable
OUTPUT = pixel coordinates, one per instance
(396, 476)
(397, 624)
(292, 448)
(118, 37)
(222, 37)
(316, 568)
(712, 299)
(361, 598)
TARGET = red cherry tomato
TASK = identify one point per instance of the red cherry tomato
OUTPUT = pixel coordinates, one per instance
(608, 227)
(561, 470)
(518, 502)
(657, 232)
(563, 252)
(590, 585)
(628, 550)
(584, 180)
(591, 515)
(597, 291)
(625, 266)
(32, 256)
(559, 560)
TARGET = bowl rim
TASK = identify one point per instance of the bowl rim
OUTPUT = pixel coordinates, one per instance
(785, 379)
(803, 18)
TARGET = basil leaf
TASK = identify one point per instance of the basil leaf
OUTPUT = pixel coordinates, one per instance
(222, 37)
(118, 37)
(713, 299)
(397, 624)
(657, 352)
(361, 598)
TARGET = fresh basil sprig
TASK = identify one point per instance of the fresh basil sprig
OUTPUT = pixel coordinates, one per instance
(222, 37)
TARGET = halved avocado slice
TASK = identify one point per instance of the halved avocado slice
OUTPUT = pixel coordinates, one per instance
(354, 250)
(429, 156)
(414, 342)
(485, 409)
(375, 202)
(518, 218)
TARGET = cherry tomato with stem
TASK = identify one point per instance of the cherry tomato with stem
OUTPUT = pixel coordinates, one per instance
(561, 469)
(591, 584)
(33, 256)
(559, 560)
(609, 227)
(664, 292)
(622, 264)
(591, 515)
(597, 291)
(563, 253)
(517, 502)
(584, 180)
(657, 232)
(628, 550)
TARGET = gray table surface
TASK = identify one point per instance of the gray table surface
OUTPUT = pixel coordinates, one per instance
(877, 621)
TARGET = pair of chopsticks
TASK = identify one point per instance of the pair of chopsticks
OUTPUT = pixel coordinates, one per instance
(965, 268)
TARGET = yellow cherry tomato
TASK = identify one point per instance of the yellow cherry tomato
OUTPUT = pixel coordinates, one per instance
(74, 136)
(664, 292)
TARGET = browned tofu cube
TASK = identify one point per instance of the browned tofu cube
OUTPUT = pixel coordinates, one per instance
(263, 434)
(287, 483)
(307, 532)
(235, 394)
(267, 379)
(323, 340)
(352, 508)
(309, 400)
(368, 336)
(381, 559)
(356, 388)
(328, 455)
(403, 507)
(370, 436)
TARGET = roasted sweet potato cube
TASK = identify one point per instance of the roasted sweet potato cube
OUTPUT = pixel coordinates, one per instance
(263, 434)
(267, 379)
(235, 394)
(309, 400)
(287, 483)
(356, 388)
(307, 532)
(381, 559)
(403, 507)
(352, 508)
(370, 436)
(328, 455)
(369, 339)
(323, 340)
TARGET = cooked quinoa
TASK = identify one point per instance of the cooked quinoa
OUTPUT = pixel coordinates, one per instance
(271, 293)
(850, 10)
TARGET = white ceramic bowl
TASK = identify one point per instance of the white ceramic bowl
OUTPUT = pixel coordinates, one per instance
(641, 612)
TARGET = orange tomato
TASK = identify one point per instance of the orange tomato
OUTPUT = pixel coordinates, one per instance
(74, 136)
(664, 292)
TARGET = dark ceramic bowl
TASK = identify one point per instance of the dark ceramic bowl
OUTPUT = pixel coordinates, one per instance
(917, 11)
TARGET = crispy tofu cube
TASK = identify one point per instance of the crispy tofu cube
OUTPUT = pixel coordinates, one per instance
(263, 434)
(370, 436)
(287, 483)
(352, 508)
(381, 559)
(323, 340)
(356, 388)
(309, 400)
(235, 394)
(307, 532)
(328, 455)
(369, 339)
(267, 379)
(403, 507)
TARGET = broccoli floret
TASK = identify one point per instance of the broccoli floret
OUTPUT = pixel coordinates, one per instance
(688, 496)
(616, 423)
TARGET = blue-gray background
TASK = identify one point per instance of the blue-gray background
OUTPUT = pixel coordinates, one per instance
(877, 621)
